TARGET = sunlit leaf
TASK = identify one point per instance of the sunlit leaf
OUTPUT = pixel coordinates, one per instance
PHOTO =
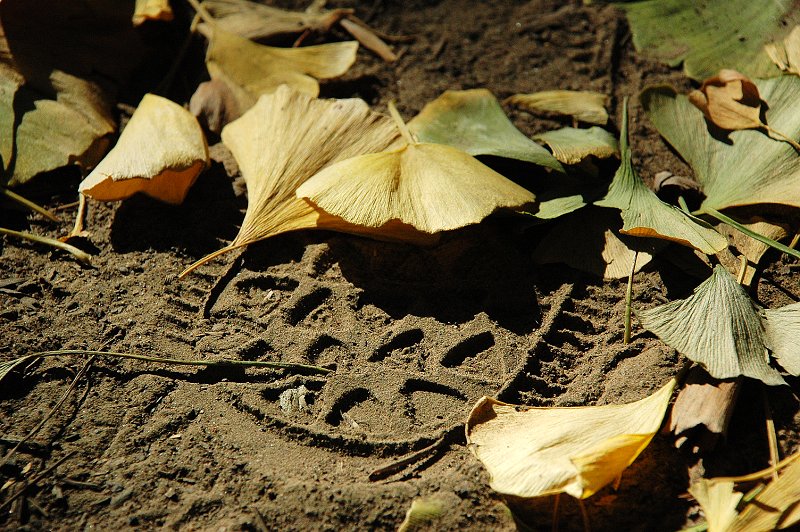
(431, 187)
(160, 153)
(751, 168)
(535, 451)
(709, 36)
(585, 106)
(571, 145)
(643, 214)
(719, 501)
(282, 141)
(776, 506)
(720, 327)
(786, 54)
(730, 100)
(474, 122)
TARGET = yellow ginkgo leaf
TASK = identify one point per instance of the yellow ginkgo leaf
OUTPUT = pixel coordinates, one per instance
(260, 69)
(719, 501)
(431, 187)
(160, 153)
(152, 10)
(535, 451)
(282, 141)
(585, 106)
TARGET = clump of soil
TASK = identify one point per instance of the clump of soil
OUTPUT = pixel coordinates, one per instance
(416, 335)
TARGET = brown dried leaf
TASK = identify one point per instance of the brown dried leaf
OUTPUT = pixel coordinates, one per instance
(730, 101)
(215, 104)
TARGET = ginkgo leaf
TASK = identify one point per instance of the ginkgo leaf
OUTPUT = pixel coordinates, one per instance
(151, 10)
(585, 106)
(786, 54)
(260, 69)
(751, 168)
(572, 145)
(535, 451)
(776, 506)
(160, 152)
(431, 187)
(58, 77)
(710, 36)
(589, 241)
(750, 248)
(282, 141)
(725, 331)
(719, 502)
(643, 214)
(474, 122)
(730, 100)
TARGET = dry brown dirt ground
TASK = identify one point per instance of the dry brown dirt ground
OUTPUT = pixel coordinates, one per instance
(415, 335)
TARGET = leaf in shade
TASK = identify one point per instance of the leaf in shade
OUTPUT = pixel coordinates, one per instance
(750, 248)
(729, 100)
(722, 329)
(260, 69)
(160, 153)
(643, 214)
(751, 168)
(58, 79)
(431, 187)
(536, 451)
(786, 55)
(215, 104)
(571, 145)
(776, 506)
(585, 106)
(588, 240)
(474, 122)
(283, 140)
(710, 36)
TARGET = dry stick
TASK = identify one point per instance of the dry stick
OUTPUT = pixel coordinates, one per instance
(52, 412)
(628, 297)
(79, 254)
(28, 203)
(34, 480)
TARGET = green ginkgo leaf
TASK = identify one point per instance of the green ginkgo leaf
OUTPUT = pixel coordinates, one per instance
(644, 214)
(721, 328)
(709, 36)
(750, 168)
(474, 122)
(572, 145)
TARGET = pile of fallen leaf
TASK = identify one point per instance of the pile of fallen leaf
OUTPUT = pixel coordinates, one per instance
(338, 165)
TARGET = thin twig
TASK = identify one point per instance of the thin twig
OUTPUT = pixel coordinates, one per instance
(79, 254)
(556, 508)
(28, 203)
(50, 414)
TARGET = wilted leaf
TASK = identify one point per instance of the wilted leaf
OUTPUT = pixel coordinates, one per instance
(776, 506)
(720, 327)
(589, 241)
(215, 104)
(260, 69)
(750, 248)
(474, 122)
(60, 73)
(753, 168)
(282, 141)
(571, 145)
(535, 451)
(710, 36)
(152, 10)
(644, 214)
(719, 502)
(431, 187)
(786, 55)
(585, 106)
(256, 21)
(160, 153)
(729, 100)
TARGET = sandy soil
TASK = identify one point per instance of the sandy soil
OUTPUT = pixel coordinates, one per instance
(415, 335)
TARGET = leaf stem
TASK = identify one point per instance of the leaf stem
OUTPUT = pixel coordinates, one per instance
(79, 254)
(628, 297)
(772, 439)
(752, 234)
(400, 124)
(203, 12)
(28, 203)
(185, 362)
(773, 133)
